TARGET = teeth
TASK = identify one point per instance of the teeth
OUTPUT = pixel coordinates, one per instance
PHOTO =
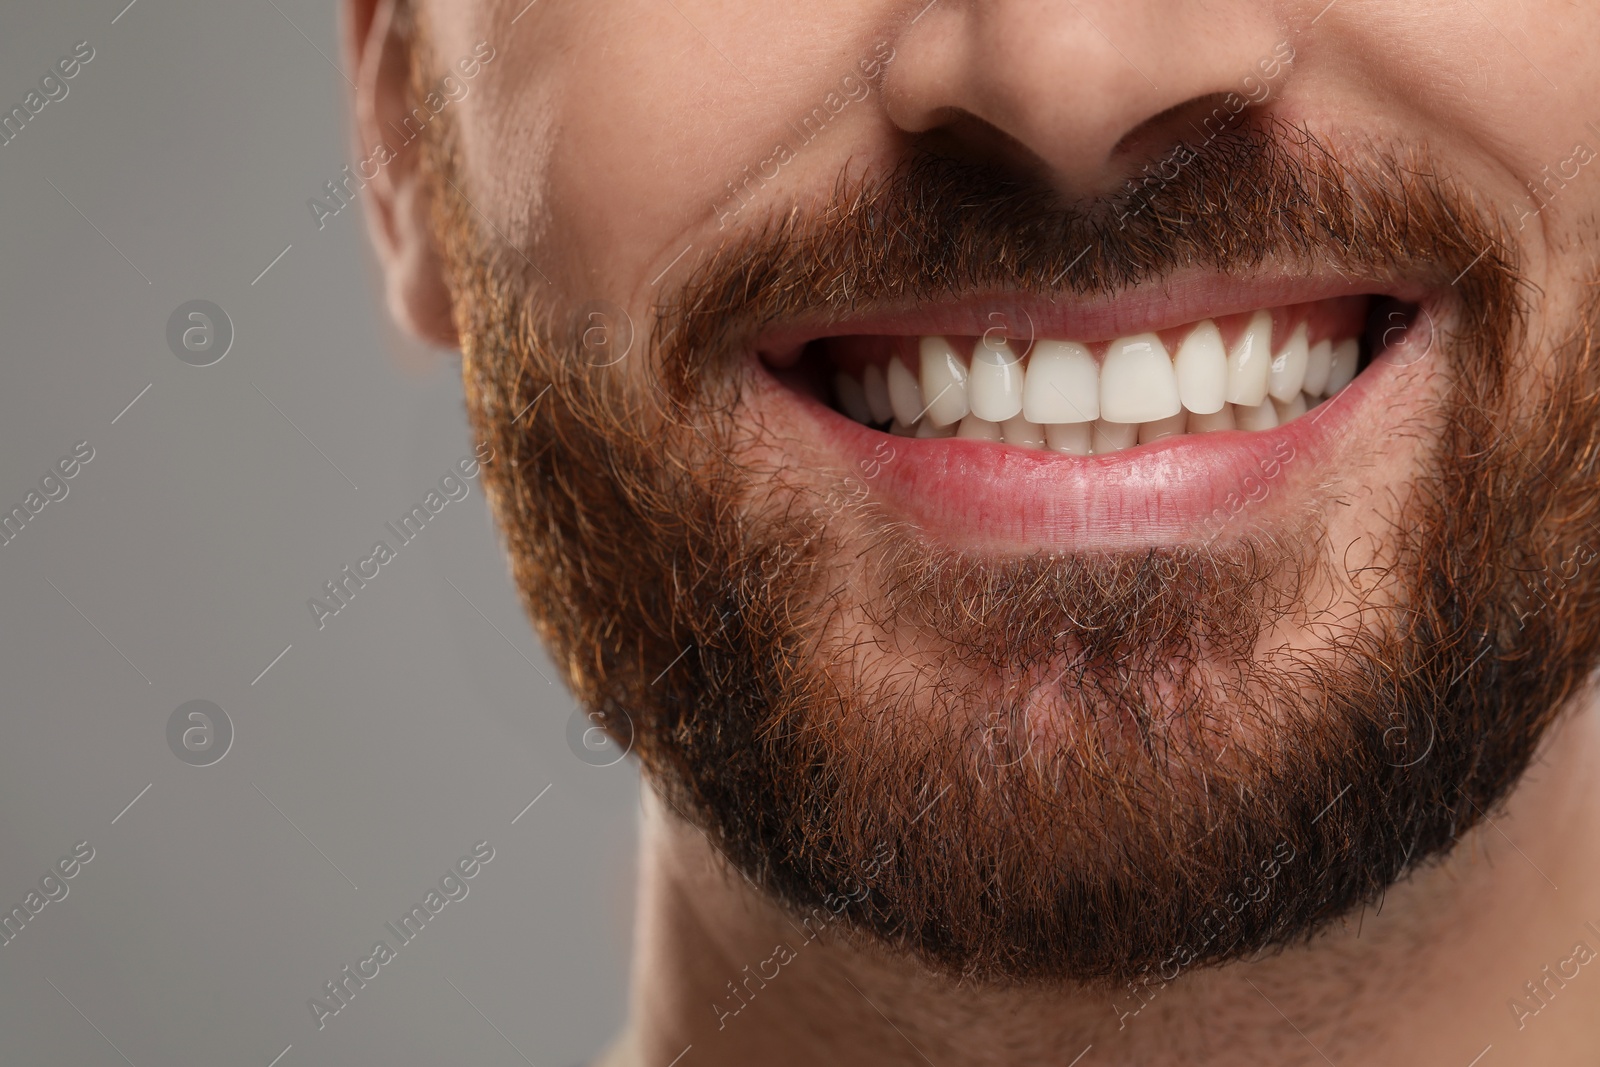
(979, 429)
(1017, 430)
(1168, 427)
(1262, 416)
(1290, 409)
(1201, 367)
(1217, 420)
(994, 385)
(1319, 361)
(1288, 371)
(1249, 362)
(1345, 355)
(1114, 436)
(1073, 438)
(1062, 399)
(905, 395)
(852, 397)
(877, 390)
(1137, 383)
(1062, 384)
(944, 382)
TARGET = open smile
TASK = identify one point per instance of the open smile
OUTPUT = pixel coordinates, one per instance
(1110, 427)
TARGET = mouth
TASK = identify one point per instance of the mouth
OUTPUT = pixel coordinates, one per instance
(1036, 427)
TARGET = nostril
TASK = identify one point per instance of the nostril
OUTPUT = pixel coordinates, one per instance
(967, 138)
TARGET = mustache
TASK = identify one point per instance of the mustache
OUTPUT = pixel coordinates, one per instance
(936, 227)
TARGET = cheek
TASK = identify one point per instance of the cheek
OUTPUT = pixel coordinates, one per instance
(616, 166)
(605, 155)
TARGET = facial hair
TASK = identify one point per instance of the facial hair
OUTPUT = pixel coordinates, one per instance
(1077, 767)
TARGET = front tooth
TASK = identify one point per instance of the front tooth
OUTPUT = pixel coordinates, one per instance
(852, 397)
(905, 395)
(900, 429)
(1319, 361)
(1168, 427)
(1017, 430)
(928, 429)
(1201, 367)
(1062, 384)
(1073, 438)
(1262, 416)
(1288, 371)
(1249, 362)
(978, 429)
(877, 390)
(1136, 383)
(994, 385)
(1290, 409)
(1114, 436)
(1216, 420)
(1345, 356)
(944, 382)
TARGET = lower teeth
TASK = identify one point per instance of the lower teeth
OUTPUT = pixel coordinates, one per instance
(1101, 437)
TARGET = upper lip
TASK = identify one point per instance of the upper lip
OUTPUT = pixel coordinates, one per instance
(1173, 302)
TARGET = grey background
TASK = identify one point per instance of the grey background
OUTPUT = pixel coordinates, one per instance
(376, 751)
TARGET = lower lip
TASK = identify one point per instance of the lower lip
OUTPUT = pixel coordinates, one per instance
(999, 498)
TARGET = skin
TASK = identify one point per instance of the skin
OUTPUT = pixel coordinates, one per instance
(598, 140)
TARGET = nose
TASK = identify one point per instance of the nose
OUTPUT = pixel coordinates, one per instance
(1083, 88)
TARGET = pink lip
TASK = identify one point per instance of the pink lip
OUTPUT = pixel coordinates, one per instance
(994, 497)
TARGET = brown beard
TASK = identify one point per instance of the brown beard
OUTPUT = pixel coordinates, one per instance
(1076, 767)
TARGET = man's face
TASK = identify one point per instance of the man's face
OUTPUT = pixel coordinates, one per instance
(1099, 486)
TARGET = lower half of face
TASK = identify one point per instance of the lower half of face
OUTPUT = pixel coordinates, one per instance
(1062, 636)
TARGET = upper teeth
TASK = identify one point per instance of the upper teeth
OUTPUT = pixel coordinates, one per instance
(1061, 398)
(943, 399)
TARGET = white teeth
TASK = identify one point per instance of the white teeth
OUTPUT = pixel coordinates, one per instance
(1263, 416)
(1168, 427)
(1114, 436)
(994, 384)
(877, 390)
(1201, 367)
(1319, 361)
(944, 382)
(1288, 371)
(851, 397)
(1249, 362)
(1073, 438)
(1345, 356)
(978, 429)
(1216, 420)
(1062, 384)
(1290, 409)
(1062, 399)
(1136, 383)
(905, 395)
(1017, 430)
